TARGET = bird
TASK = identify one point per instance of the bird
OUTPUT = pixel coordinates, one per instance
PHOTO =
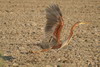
(53, 28)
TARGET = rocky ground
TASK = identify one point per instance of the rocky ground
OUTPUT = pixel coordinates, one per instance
(22, 25)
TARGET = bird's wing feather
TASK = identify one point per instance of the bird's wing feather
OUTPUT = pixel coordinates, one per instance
(54, 24)
(53, 15)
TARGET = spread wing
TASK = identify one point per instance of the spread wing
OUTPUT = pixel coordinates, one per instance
(53, 15)
(54, 23)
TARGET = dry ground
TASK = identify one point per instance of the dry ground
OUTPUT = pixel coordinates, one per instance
(22, 25)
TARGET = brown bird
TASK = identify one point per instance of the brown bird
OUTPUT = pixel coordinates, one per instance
(53, 29)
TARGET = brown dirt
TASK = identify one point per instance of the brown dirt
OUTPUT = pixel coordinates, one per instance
(22, 25)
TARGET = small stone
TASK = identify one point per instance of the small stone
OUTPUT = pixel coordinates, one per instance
(58, 59)
(48, 66)
(21, 48)
(56, 66)
(15, 64)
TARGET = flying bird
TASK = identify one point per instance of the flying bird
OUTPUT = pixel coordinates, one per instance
(53, 28)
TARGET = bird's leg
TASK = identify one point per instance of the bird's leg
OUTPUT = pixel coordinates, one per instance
(51, 38)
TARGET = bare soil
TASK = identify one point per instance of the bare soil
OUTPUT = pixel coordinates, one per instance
(22, 25)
